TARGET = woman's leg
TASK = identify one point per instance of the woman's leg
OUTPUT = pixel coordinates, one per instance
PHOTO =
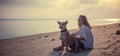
(81, 44)
(72, 46)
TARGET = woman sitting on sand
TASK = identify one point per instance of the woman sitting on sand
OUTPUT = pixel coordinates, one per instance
(83, 36)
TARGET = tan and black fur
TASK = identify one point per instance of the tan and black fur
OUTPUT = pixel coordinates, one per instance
(65, 36)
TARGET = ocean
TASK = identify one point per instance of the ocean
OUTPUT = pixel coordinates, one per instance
(23, 27)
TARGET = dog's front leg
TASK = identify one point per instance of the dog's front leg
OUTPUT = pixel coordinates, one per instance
(62, 47)
(66, 50)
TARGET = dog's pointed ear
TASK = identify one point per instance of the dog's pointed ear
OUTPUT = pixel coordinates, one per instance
(66, 22)
(58, 22)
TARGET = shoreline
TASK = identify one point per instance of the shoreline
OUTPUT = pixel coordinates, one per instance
(51, 32)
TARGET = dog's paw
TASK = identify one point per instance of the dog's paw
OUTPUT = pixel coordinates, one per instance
(60, 53)
(66, 53)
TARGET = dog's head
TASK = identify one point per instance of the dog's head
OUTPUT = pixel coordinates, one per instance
(62, 25)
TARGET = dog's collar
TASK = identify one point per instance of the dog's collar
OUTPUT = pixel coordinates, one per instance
(64, 30)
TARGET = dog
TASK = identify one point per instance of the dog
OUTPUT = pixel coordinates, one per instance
(66, 38)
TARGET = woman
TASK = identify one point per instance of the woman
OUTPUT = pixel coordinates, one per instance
(83, 36)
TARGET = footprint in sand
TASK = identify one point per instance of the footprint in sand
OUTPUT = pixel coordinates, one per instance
(112, 33)
(39, 37)
(104, 26)
(103, 52)
(108, 47)
(32, 39)
(115, 49)
(118, 41)
(119, 25)
(46, 36)
(108, 41)
(106, 54)
(32, 51)
(105, 48)
(109, 54)
(112, 44)
(117, 32)
(114, 37)
(52, 39)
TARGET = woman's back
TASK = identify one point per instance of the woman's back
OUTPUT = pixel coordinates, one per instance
(86, 33)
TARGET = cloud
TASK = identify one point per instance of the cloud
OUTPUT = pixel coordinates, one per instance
(103, 9)
(59, 8)
(89, 1)
(106, 9)
(70, 4)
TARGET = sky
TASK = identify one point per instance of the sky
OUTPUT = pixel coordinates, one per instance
(59, 9)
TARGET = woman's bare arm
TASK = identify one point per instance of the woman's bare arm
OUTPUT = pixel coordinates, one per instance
(81, 38)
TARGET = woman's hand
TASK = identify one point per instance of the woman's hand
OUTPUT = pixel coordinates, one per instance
(74, 36)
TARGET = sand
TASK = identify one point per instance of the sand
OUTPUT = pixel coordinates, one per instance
(106, 43)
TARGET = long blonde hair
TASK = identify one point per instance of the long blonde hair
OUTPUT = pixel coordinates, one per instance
(84, 21)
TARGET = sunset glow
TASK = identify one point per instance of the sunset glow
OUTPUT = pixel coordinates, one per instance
(59, 8)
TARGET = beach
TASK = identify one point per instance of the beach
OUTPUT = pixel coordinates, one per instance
(106, 43)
